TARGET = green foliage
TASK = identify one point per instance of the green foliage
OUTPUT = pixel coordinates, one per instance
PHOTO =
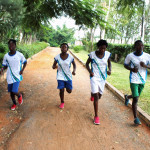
(10, 18)
(122, 50)
(27, 50)
(56, 36)
(3, 50)
(38, 11)
(78, 48)
(30, 50)
(88, 45)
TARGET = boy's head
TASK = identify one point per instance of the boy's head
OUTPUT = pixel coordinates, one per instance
(12, 44)
(138, 45)
(102, 45)
(64, 47)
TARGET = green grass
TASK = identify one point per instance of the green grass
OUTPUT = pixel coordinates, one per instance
(120, 79)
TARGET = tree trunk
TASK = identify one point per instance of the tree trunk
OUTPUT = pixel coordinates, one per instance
(102, 35)
(143, 22)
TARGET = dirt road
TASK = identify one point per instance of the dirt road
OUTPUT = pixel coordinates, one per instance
(39, 124)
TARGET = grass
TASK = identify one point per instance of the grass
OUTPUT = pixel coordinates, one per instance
(120, 79)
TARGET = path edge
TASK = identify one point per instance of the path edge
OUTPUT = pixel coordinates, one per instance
(141, 113)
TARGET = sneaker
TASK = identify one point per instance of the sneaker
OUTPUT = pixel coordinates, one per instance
(92, 98)
(61, 105)
(137, 121)
(13, 107)
(126, 100)
(20, 99)
(96, 120)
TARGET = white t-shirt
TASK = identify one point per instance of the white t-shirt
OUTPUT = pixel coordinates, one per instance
(134, 61)
(14, 64)
(63, 71)
(99, 65)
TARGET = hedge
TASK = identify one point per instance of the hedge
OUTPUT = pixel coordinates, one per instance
(123, 49)
(27, 50)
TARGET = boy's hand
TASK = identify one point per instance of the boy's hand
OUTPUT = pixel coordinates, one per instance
(55, 67)
(74, 73)
(21, 72)
(109, 72)
(91, 74)
(143, 64)
(135, 70)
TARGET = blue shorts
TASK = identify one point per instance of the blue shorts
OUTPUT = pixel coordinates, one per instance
(64, 84)
(13, 87)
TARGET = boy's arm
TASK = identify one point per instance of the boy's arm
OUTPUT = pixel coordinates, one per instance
(109, 67)
(88, 68)
(74, 67)
(135, 69)
(55, 65)
(144, 66)
(24, 65)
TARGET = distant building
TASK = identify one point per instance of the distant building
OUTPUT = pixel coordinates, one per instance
(78, 43)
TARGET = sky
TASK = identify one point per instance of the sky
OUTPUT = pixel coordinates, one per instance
(70, 23)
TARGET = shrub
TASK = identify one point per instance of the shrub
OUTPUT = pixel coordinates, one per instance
(78, 48)
(27, 50)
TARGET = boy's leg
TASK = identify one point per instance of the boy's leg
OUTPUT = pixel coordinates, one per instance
(68, 86)
(96, 97)
(68, 90)
(135, 94)
(129, 96)
(12, 95)
(15, 88)
(61, 94)
(134, 106)
(95, 103)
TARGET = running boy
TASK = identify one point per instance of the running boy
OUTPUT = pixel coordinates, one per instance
(98, 73)
(64, 76)
(13, 60)
(137, 62)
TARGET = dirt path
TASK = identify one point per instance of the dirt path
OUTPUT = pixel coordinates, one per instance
(40, 125)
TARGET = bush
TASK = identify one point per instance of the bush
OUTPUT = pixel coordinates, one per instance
(29, 50)
(26, 50)
(122, 50)
(3, 48)
(78, 48)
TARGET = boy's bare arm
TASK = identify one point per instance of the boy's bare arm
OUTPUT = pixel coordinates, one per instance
(74, 68)
(144, 65)
(135, 70)
(24, 65)
(88, 68)
(55, 65)
(109, 67)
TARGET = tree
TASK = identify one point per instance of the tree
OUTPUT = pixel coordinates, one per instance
(56, 36)
(132, 6)
(10, 18)
(38, 11)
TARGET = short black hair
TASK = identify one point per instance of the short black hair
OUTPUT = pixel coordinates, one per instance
(64, 44)
(102, 42)
(12, 40)
(138, 41)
